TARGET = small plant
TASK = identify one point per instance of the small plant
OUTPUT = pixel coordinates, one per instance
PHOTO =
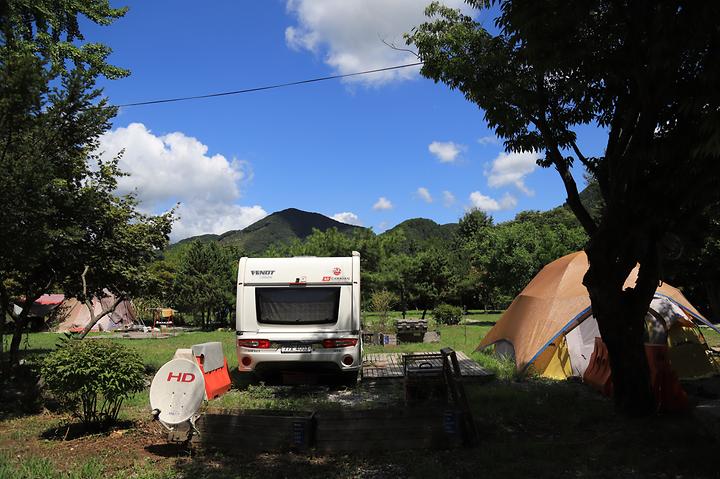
(381, 303)
(92, 378)
(447, 314)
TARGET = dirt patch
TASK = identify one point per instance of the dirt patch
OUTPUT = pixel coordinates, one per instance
(118, 449)
(369, 394)
(76, 430)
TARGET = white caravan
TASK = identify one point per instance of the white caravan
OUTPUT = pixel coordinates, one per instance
(299, 314)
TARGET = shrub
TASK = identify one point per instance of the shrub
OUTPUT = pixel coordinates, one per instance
(91, 378)
(381, 303)
(447, 314)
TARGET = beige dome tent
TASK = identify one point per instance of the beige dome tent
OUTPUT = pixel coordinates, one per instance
(549, 327)
(74, 315)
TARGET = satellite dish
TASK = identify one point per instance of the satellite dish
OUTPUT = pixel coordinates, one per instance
(177, 391)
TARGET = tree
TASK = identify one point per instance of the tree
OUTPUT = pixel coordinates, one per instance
(432, 280)
(472, 287)
(51, 32)
(696, 263)
(205, 282)
(646, 73)
(118, 260)
(397, 273)
(472, 224)
(61, 221)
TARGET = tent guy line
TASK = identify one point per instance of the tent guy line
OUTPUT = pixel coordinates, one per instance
(267, 87)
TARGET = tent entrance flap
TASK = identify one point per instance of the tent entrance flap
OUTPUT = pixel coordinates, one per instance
(554, 362)
(581, 344)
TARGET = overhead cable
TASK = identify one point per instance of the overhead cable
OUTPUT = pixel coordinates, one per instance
(267, 87)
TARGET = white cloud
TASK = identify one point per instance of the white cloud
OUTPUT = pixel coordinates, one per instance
(176, 168)
(446, 151)
(488, 140)
(200, 217)
(511, 169)
(171, 167)
(424, 194)
(486, 203)
(448, 199)
(382, 204)
(347, 217)
(349, 34)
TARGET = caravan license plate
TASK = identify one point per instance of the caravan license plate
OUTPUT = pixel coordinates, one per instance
(296, 348)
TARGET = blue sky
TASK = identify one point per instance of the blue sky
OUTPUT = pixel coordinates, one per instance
(335, 147)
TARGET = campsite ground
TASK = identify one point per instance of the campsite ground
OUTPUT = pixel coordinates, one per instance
(529, 428)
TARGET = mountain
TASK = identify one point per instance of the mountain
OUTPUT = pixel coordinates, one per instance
(422, 232)
(279, 227)
(206, 238)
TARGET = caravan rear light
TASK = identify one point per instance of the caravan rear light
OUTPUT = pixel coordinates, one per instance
(254, 343)
(339, 343)
(246, 361)
(348, 360)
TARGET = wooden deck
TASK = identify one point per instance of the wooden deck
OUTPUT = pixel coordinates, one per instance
(390, 366)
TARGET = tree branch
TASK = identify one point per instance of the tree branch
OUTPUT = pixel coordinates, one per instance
(553, 152)
(573, 197)
(94, 319)
(590, 167)
(400, 49)
(84, 282)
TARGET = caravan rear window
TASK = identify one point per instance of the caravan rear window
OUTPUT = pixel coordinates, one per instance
(297, 305)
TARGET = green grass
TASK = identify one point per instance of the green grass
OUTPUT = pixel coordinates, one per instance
(712, 337)
(463, 337)
(530, 428)
(157, 351)
(154, 351)
(93, 468)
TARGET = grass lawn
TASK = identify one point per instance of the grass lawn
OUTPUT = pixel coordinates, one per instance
(531, 428)
(711, 336)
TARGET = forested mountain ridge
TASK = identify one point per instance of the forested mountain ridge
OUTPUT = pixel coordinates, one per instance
(278, 228)
(282, 227)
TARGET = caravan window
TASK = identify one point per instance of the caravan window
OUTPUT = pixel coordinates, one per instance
(297, 305)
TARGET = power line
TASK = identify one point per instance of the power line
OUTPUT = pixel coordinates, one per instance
(268, 87)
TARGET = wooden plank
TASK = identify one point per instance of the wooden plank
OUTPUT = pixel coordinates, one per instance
(390, 366)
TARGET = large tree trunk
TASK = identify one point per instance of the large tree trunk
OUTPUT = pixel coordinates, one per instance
(20, 324)
(21, 321)
(620, 315)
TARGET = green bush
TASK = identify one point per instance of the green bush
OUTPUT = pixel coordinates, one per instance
(91, 378)
(447, 314)
(382, 302)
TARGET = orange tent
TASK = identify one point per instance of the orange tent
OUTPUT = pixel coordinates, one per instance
(549, 326)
